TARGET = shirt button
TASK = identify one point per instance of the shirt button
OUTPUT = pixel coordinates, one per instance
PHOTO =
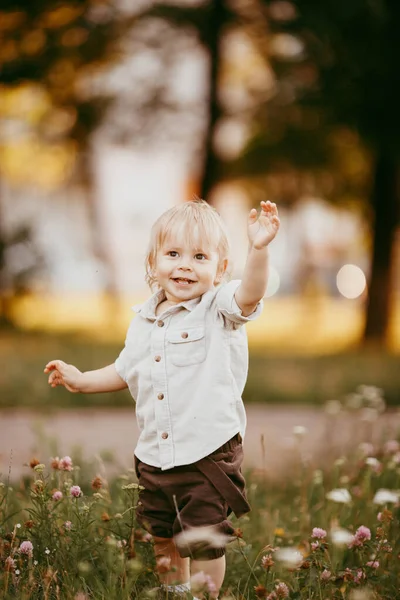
(184, 335)
(157, 358)
(164, 435)
(160, 396)
(160, 323)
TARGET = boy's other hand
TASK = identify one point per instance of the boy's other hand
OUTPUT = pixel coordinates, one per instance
(63, 374)
(263, 228)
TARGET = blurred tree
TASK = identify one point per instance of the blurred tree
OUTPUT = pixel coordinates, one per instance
(57, 51)
(210, 24)
(336, 66)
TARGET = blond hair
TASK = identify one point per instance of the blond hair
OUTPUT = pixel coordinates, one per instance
(199, 220)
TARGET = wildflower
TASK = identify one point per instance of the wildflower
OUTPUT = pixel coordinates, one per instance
(81, 596)
(105, 517)
(132, 486)
(314, 546)
(26, 548)
(289, 557)
(47, 551)
(271, 596)
(17, 572)
(299, 431)
(325, 575)
(75, 491)
(238, 533)
(282, 590)
(33, 462)
(318, 533)
(97, 483)
(29, 524)
(267, 562)
(202, 535)
(383, 496)
(39, 468)
(374, 564)
(57, 495)
(366, 449)
(341, 537)
(55, 463)
(200, 582)
(371, 461)
(391, 447)
(65, 463)
(68, 525)
(261, 592)
(359, 576)
(163, 564)
(340, 495)
(10, 563)
(362, 535)
(279, 532)
(18, 526)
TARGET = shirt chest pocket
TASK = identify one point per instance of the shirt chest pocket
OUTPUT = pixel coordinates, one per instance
(186, 346)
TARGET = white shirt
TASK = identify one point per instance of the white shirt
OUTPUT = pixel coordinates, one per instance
(186, 369)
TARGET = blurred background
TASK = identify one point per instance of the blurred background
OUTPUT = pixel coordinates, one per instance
(112, 111)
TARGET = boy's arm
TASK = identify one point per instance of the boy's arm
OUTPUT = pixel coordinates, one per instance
(89, 382)
(261, 231)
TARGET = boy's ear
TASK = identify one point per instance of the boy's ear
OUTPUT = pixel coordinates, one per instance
(222, 267)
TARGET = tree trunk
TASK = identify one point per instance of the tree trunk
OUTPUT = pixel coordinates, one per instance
(211, 37)
(385, 204)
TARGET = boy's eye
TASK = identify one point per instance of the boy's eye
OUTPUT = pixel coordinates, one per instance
(172, 253)
(200, 256)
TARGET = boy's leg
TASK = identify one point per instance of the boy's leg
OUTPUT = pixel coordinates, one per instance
(179, 570)
(215, 568)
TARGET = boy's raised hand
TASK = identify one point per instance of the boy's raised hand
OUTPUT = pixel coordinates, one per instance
(263, 227)
(63, 374)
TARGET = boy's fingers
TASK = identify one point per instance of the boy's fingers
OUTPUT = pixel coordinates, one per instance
(253, 214)
(53, 364)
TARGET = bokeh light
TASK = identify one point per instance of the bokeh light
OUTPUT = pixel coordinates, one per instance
(351, 281)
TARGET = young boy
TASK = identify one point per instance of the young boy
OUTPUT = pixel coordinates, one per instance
(185, 362)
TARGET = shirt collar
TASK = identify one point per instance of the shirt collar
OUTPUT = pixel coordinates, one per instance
(148, 308)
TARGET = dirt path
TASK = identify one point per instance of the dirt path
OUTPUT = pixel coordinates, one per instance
(269, 442)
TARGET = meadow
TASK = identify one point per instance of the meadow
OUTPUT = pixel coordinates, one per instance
(291, 377)
(67, 533)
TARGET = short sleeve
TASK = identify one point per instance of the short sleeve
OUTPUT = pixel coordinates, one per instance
(229, 308)
(120, 364)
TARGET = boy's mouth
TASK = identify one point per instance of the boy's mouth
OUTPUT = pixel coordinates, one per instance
(183, 280)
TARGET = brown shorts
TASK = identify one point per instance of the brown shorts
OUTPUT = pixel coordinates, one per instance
(197, 495)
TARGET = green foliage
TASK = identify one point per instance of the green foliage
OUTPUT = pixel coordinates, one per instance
(90, 545)
(272, 378)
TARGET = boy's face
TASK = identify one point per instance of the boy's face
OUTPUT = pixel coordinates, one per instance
(185, 270)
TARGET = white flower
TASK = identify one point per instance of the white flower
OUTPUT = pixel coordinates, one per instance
(299, 431)
(47, 551)
(383, 496)
(208, 535)
(289, 557)
(18, 525)
(340, 495)
(372, 461)
(341, 537)
(17, 572)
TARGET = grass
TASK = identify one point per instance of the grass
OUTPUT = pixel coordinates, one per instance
(86, 544)
(273, 377)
